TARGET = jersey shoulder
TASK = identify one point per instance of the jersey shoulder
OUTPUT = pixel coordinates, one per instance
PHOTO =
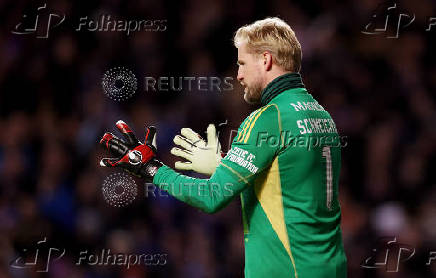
(264, 119)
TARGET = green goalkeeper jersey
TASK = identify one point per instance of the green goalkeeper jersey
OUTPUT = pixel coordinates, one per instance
(284, 163)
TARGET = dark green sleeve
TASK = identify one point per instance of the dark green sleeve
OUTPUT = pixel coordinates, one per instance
(247, 158)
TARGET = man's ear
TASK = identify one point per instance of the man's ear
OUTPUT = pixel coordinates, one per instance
(267, 60)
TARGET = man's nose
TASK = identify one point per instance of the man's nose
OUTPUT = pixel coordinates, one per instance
(240, 77)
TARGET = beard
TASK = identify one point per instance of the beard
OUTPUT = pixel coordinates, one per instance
(252, 93)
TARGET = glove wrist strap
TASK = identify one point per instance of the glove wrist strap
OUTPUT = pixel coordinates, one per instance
(150, 169)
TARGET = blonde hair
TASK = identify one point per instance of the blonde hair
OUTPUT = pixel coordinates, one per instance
(275, 36)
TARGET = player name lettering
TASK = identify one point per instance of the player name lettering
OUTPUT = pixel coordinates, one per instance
(316, 125)
(310, 105)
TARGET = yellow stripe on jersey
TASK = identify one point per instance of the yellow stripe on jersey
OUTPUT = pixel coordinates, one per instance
(246, 125)
(241, 178)
(279, 120)
(245, 139)
(244, 218)
(269, 193)
(243, 129)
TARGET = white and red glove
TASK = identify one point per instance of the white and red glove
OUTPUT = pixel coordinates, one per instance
(132, 155)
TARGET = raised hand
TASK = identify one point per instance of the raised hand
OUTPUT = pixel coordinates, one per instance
(130, 154)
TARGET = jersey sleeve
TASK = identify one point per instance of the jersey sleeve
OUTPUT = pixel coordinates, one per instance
(253, 149)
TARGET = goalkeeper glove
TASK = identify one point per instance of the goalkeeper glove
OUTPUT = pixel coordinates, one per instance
(132, 155)
(203, 157)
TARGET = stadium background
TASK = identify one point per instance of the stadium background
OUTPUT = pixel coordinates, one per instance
(379, 91)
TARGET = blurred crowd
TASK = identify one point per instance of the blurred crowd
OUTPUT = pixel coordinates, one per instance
(379, 91)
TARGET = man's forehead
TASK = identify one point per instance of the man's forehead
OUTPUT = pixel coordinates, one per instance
(242, 47)
(242, 50)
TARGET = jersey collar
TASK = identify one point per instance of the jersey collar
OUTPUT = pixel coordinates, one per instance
(282, 83)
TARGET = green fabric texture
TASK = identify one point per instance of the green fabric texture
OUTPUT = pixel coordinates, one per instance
(284, 163)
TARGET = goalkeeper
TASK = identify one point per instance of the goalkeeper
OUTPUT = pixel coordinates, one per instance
(288, 189)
